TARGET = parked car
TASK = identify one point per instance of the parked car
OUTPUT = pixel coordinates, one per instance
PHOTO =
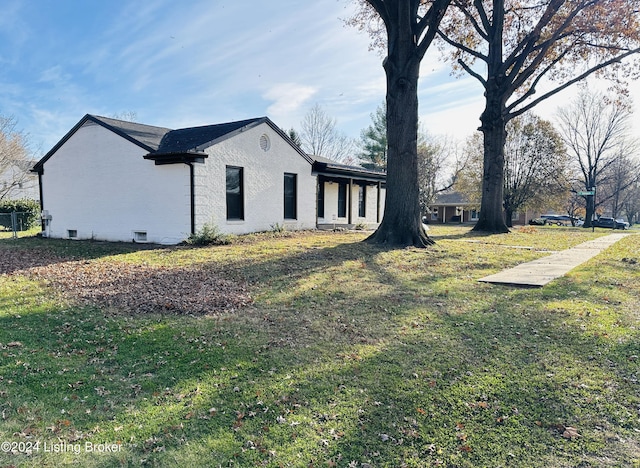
(562, 220)
(610, 223)
(537, 221)
(623, 223)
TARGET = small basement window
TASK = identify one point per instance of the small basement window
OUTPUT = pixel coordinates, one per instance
(72, 233)
(140, 236)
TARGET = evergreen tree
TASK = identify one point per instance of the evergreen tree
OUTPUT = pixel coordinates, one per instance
(373, 141)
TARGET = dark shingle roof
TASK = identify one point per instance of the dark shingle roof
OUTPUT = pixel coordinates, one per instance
(452, 198)
(198, 138)
(148, 135)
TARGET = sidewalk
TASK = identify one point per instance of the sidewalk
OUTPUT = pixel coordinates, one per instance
(543, 270)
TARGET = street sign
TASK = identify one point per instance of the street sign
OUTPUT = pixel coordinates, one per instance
(584, 194)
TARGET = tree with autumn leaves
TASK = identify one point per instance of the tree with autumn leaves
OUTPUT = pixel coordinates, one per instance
(521, 51)
(536, 169)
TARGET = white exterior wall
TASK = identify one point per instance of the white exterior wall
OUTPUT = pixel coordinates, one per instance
(331, 205)
(98, 184)
(263, 183)
(371, 205)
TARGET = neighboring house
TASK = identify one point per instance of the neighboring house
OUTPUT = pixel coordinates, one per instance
(113, 180)
(17, 182)
(455, 207)
(452, 207)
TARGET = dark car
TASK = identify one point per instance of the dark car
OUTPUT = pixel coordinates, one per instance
(610, 223)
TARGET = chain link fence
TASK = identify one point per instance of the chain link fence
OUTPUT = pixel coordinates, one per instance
(14, 222)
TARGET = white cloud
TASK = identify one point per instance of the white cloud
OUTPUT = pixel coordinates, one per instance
(198, 62)
(54, 75)
(287, 99)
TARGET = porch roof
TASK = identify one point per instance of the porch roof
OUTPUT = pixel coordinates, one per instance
(453, 199)
(333, 169)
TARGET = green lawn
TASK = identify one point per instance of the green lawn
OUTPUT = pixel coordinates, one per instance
(350, 356)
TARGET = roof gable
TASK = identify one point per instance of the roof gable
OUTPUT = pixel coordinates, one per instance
(146, 136)
(166, 146)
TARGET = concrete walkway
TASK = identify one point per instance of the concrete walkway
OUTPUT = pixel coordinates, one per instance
(543, 270)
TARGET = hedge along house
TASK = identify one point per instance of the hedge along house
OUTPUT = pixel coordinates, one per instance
(114, 180)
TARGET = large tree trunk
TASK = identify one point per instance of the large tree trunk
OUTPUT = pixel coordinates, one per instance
(401, 224)
(495, 136)
(590, 200)
(494, 129)
(590, 211)
(508, 216)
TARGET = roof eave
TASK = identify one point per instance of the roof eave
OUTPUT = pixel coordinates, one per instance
(354, 172)
(183, 157)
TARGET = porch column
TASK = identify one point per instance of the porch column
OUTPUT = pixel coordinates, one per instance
(350, 207)
(317, 197)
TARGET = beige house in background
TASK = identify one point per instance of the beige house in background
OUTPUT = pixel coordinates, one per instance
(455, 207)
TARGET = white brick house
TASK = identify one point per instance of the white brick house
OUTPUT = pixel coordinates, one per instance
(113, 180)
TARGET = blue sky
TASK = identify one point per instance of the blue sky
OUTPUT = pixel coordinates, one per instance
(189, 62)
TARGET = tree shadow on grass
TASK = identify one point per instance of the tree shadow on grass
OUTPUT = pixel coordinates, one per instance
(342, 359)
(460, 235)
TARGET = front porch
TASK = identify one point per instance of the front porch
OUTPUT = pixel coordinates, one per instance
(348, 196)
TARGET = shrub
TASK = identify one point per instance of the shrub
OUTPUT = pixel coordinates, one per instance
(29, 209)
(278, 228)
(209, 234)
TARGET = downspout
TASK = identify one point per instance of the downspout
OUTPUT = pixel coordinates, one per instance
(42, 221)
(192, 188)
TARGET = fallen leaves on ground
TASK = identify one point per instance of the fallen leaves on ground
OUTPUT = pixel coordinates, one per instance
(16, 260)
(131, 287)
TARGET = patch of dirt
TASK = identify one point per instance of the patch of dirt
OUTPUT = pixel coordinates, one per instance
(131, 287)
